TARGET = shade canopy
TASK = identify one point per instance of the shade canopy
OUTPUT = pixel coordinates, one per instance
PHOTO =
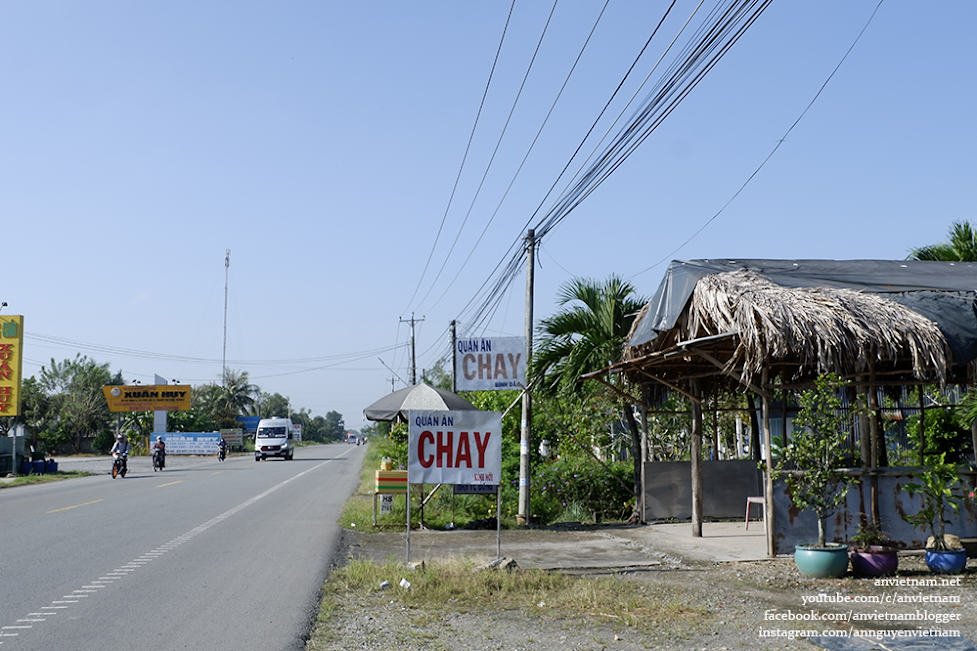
(420, 396)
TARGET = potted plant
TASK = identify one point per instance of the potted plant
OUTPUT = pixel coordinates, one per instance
(819, 483)
(871, 554)
(939, 490)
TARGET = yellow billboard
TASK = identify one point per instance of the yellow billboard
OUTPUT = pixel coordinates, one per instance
(162, 397)
(11, 363)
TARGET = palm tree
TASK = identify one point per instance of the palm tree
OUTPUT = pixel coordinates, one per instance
(962, 246)
(232, 398)
(588, 334)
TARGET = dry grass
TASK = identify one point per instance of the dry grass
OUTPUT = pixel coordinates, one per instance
(456, 585)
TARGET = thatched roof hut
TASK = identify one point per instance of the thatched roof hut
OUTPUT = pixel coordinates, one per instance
(778, 324)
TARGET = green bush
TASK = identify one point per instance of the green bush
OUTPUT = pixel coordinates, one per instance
(571, 486)
(570, 489)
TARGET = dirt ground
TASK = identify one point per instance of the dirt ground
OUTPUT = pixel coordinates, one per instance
(756, 604)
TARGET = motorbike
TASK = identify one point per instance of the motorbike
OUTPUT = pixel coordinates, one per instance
(221, 453)
(159, 460)
(118, 465)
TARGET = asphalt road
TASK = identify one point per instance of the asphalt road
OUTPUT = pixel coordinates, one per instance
(204, 555)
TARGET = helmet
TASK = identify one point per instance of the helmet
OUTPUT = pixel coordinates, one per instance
(159, 438)
(119, 437)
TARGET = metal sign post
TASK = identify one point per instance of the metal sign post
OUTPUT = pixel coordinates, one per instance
(456, 448)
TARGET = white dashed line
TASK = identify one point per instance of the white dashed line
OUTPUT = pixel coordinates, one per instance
(124, 571)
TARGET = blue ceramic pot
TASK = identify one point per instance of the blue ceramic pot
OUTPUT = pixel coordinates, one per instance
(951, 561)
(874, 561)
(821, 562)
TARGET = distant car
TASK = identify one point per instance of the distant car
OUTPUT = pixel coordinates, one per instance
(352, 438)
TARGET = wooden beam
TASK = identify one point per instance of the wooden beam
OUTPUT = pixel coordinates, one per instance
(712, 360)
(670, 386)
(613, 388)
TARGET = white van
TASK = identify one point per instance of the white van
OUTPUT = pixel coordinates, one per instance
(274, 439)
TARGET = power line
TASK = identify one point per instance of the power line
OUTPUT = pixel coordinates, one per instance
(775, 147)
(140, 354)
(719, 31)
(464, 158)
(525, 158)
(495, 151)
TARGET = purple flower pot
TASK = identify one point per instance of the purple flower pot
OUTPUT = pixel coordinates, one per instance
(874, 561)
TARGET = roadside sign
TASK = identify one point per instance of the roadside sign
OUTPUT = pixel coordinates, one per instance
(490, 363)
(202, 443)
(455, 447)
(162, 397)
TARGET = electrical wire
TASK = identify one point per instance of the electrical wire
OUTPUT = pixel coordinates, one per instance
(464, 158)
(721, 29)
(525, 158)
(140, 354)
(772, 151)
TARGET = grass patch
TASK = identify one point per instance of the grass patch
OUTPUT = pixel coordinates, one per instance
(455, 586)
(445, 510)
(44, 478)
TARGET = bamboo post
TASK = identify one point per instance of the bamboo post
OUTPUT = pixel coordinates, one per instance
(767, 454)
(696, 462)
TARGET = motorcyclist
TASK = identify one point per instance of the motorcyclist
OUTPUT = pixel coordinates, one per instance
(121, 449)
(222, 448)
(160, 447)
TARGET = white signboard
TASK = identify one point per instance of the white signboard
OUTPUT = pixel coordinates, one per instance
(203, 443)
(490, 363)
(454, 447)
(296, 432)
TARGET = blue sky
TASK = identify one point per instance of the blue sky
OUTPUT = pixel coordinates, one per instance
(321, 141)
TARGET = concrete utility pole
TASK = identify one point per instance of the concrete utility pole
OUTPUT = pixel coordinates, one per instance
(227, 267)
(413, 358)
(454, 351)
(523, 515)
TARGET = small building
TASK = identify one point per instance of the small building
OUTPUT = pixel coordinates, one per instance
(770, 326)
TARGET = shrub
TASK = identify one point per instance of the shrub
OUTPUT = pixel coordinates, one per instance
(571, 485)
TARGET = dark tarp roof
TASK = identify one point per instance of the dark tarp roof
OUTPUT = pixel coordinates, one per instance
(943, 292)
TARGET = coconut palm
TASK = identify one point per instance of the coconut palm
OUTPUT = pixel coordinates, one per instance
(962, 246)
(225, 402)
(587, 334)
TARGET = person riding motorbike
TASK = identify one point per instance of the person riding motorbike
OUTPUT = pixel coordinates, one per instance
(121, 449)
(159, 447)
(221, 449)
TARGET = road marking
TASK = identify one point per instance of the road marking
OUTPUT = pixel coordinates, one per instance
(122, 572)
(75, 506)
(170, 484)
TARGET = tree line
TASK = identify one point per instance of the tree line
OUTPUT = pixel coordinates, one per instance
(63, 409)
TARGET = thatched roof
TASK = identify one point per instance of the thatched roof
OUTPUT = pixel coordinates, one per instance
(818, 329)
(736, 323)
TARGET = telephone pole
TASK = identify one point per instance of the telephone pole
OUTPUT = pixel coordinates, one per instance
(413, 357)
(227, 267)
(523, 514)
(454, 352)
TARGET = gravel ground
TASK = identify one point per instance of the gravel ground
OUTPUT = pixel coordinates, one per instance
(738, 601)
